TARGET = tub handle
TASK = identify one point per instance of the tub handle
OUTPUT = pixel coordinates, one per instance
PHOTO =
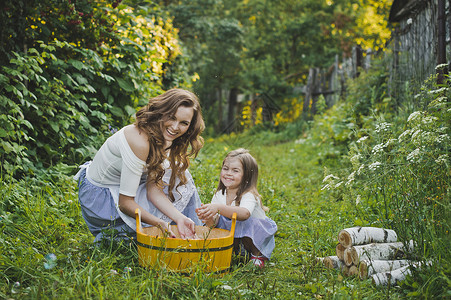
(139, 228)
(232, 229)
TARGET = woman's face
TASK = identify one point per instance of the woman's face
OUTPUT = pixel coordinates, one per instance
(176, 125)
(232, 173)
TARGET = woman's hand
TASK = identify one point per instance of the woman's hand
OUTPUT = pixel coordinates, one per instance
(186, 228)
(166, 229)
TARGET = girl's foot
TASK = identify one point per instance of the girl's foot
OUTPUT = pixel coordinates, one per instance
(258, 261)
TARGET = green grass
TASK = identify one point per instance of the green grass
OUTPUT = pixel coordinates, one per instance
(41, 215)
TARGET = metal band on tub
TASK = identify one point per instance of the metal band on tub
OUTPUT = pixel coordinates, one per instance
(183, 249)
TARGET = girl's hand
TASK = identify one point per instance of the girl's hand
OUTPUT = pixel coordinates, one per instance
(166, 229)
(207, 211)
(186, 228)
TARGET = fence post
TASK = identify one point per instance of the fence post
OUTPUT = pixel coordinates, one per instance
(441, 45)
(308, 92)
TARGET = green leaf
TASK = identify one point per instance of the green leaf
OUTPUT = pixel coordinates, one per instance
(77, 64)
(116, 111)
(7, 147)
(125, 85)
(129, 110)
(3, 133)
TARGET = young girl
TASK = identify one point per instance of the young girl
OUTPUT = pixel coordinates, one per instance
(145, 165)
(237, 193)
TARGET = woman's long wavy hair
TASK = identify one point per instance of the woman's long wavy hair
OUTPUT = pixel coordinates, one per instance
(150, 119)
(250, 175)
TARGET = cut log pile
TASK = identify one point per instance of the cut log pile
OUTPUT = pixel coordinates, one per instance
(371, 252)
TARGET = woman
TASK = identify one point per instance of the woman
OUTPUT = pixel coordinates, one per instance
(145, 165)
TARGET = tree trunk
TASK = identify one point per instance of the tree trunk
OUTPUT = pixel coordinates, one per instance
(340, 250)
(382, 251)
(369, 267)
(231, 113)
(365, 235)
(333, 262)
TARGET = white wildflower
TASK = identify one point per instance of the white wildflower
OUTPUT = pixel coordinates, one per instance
(377, 149)
(338, 184)
(330, 176)
(441, 90)
(429, 120)
(362, 139)
(360, 169)
(326, 187)
(382, 127)
(300, 141)
(374, 166)
(357, 200)
(412, 156)
(404, 134)
(355, 160)
(442, 139)
(390, 142)
(413, 116)
(441, 66)
(351, 178)
(409, 21)
(442, 159)
(415, 134)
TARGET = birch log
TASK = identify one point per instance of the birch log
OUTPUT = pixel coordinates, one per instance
(376, 251)
(369, 267)
(339, 250)
(353, 270)
(391, 277)
(332, 262)
(394, 276)
(365, 235)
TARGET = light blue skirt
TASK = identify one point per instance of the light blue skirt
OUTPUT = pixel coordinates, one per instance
(261, 231)
(104, 219)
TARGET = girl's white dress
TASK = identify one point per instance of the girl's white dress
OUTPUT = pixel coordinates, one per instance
(258, 226)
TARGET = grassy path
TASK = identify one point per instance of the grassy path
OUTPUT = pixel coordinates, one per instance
(43, 217)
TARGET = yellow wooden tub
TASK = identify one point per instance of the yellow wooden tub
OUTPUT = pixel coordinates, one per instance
(212, 251)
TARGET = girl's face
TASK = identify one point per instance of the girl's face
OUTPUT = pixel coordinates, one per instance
(232, 173)
(176, 125)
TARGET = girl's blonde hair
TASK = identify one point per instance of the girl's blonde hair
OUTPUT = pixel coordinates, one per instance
(250, 175)
(150, 120)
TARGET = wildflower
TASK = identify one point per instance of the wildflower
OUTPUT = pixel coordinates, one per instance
(413, 155)
(442, 139)
(330, 176)
(374, 166)
(441, 90)
(442, 159)
(390, 142)
(338, 184)
(404, 134)
(355, 160)
(360, 169)
(326, 187)
(378, 148)
(415, 134)
(413, 116)
(382, 127)
(351, 178)
(441, 66)
(362, 139)
(357, 200)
